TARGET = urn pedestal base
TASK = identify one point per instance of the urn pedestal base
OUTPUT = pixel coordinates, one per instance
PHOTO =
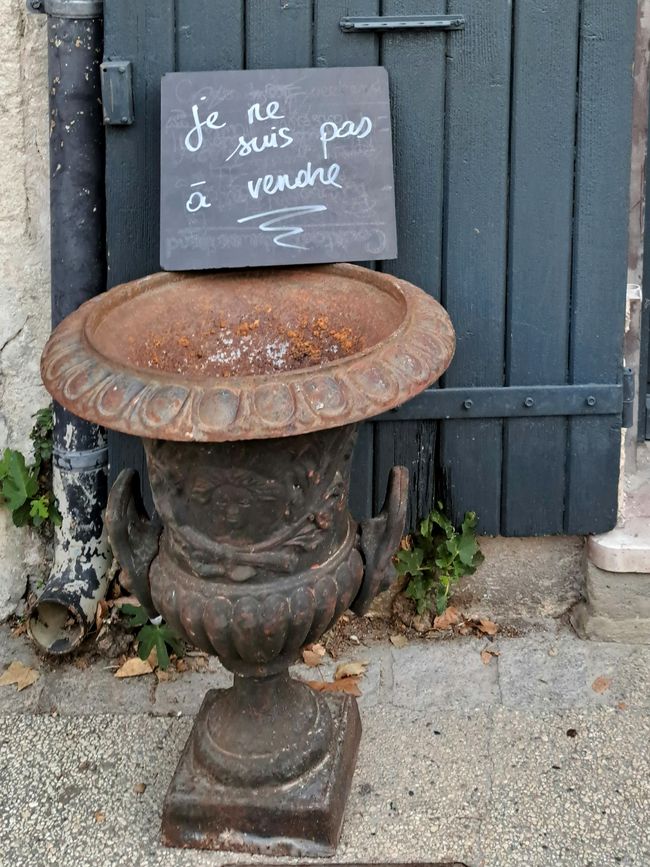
(299, 818)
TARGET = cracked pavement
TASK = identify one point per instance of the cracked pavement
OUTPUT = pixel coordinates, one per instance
(518, 762)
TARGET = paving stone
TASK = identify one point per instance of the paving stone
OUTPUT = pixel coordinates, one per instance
(96, 690)
(543, 670)
(184, 695)
(19, 649)
(445, 675)
(369, 682)
(559, 800)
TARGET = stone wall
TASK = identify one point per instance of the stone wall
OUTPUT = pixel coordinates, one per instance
(24, 265)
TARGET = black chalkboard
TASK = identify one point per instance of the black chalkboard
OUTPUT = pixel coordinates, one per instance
(276, 167)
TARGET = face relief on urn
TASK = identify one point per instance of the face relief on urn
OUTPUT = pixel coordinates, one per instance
(247, 398)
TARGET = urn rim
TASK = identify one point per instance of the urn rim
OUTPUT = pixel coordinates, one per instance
(114, 392)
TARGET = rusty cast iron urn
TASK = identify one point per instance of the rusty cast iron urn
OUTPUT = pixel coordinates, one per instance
(245, 388)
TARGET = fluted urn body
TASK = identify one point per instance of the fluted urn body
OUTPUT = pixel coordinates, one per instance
(246, 389)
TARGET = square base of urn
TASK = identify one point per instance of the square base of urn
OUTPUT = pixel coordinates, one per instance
(302, 818)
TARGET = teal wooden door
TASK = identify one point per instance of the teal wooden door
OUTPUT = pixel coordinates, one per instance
(512, 140)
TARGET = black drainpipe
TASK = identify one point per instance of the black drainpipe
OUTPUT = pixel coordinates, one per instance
(66, 609)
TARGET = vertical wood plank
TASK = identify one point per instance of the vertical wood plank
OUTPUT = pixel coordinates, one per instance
(600, 253)
(209, 35)
(416, 70)
(332, 47)
(143, 33)
(278, 34)
(478, 104)
(545, 58)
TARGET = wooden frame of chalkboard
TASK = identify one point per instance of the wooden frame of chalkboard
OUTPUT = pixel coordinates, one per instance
(276, 167)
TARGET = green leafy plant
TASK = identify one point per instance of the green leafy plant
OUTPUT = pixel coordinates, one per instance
(437, 556)
(26, 489)
(153, 634)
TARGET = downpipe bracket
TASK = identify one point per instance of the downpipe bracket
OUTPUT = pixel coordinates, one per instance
(67, 8)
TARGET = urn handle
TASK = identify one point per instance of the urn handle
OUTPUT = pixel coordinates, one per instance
(134, 536)
(379, 539)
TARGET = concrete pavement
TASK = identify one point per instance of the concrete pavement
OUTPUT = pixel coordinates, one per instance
(539, 758)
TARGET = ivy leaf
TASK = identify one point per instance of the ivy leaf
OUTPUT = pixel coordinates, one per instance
(443, 522)
(467, 549)
(136, 614)
(161, 651)
(55, 515)
(41, 435)
(441, 601)
(147, 640)
(39, 510)
(171, 639)
(19, 483)
(20, 516)
(410, 562)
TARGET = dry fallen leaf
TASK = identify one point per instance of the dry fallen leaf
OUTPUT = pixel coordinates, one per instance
(448, 618)
(312, 654)
(20, 629)
(134, 667)
(399, 640)
(487, 627)
(621, 705)
(486, 655)
(20, 675)
(601, 684)
(348, 685)
(350, 669)
(152, 659)
(126, 600)
(99, 816)
(101, 614)
(140, 788)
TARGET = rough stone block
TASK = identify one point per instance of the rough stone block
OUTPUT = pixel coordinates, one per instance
(616, 606)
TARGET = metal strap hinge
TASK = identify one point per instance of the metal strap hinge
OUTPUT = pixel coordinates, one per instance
(374, 23)
(515, 402)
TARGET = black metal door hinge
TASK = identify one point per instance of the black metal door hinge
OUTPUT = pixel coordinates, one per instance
(117, 92)
(629, 393)
(370, 23)
(596, 399)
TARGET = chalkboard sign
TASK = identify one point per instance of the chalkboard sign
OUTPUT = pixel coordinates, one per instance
(276, 167)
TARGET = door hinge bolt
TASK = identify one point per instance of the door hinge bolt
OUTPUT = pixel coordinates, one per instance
(529, 402)
(468, 404)
(591, 400)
